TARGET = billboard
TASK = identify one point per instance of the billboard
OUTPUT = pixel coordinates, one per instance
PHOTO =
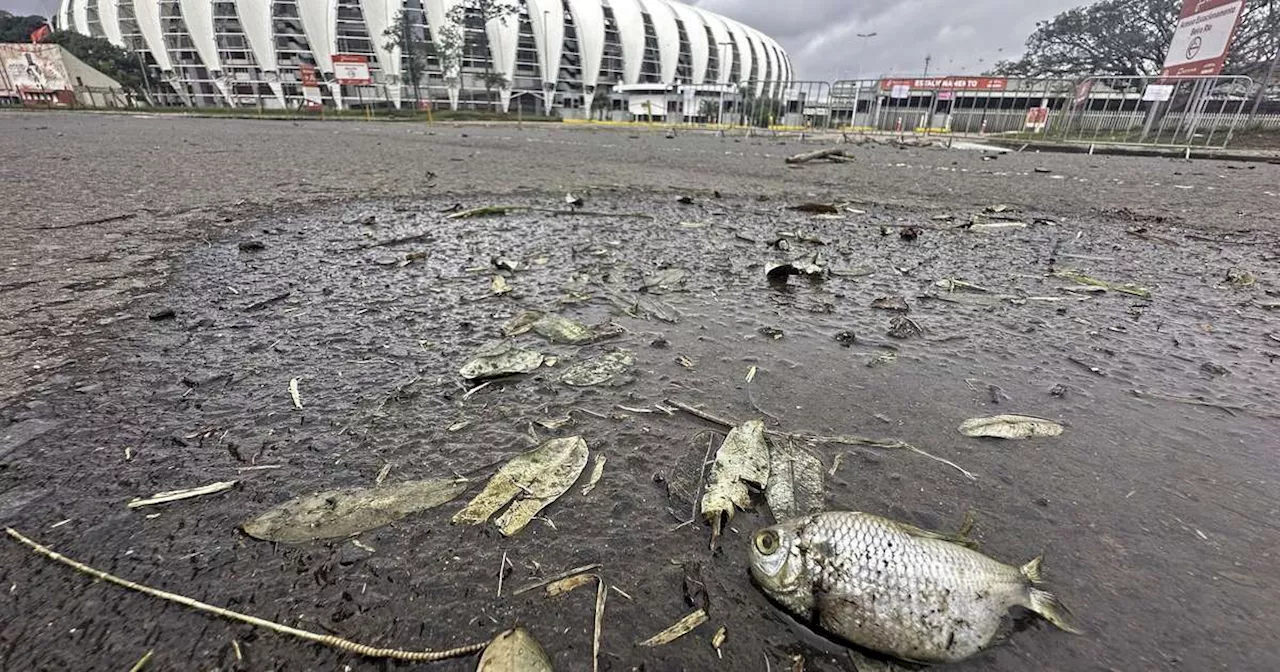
(33, 68)
(351, 69)
(1203, 37)
(948, 83)
(311, 95)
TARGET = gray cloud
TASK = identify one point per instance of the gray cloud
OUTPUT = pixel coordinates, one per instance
(963, 37)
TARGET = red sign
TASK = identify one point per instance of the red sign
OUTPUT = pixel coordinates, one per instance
(308, 74)
(351, 69)
(40, 33)
(1202, 39)
(950, 83)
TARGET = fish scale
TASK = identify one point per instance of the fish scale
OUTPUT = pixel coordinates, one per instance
(892, 587)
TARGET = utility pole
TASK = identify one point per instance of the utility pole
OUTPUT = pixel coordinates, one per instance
(866, 41)
(927, 60)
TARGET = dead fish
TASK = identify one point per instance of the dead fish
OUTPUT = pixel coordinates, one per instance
(894, 588)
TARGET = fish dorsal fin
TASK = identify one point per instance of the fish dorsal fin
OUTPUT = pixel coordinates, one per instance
(959, 537)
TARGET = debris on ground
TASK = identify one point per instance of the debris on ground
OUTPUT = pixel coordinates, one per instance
(742, 459)
(953, 285)
(612, 369)
(910, 233)
(178, 495)
(830, 153)
(846, 338)
(295, 394)
(903, 328)
(1127, 288)
(677, 630)
(514, 651)
(1010, 427)
(1239, 277)
(1214, 369)
(557, 329)
(665, 281)
(771, 333)
(778, 274)
(816, 208)
(597, 470)
(332, 514)
(498, 285)
(882, 359)
(897, 304)
(718, 640)
(500, 359)
(521, 323)
(530, 482)
(795, 481)
(695, 589)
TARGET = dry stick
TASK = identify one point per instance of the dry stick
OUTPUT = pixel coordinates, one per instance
(562, 575)
(806, 157)
(1200, 402)
(137, 667)
(843, 440)
(326, 640)
(599, 624)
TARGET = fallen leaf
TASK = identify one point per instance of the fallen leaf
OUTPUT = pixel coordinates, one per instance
(665, 281)
(559, 329)
(521, 323)
(514, 651)
(795, 481)
(1010, 427)
(895, 304)
(295, 394)
(500, 359)
(339, 513)
(569, 584)
(533, 480)
(679, 629)
(611, 369)
(743, 458)
(499, 285)
(904, 328)
(597, 470)
(718, 639)
(1127, 288)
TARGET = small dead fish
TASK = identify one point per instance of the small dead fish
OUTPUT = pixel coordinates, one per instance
(894, 588)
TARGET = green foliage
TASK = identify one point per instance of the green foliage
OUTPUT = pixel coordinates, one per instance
(18, 28)
(411, 42)
(99, 53)
(1131, 37)
(709, 109)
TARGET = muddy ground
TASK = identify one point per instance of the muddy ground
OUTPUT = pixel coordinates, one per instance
(1156, 516)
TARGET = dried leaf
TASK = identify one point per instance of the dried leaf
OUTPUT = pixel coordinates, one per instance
(563, 330)
(679, 629)
(795, 481)
(295, 394)
(533, 480)
(487, 211)
(665, 281)
(718, 639)
(176, 495)
(514, 651)
(896, 304)
(608, 369)
(597, 470)
(743, 458)
(339, 513)
(499, 285)
(1127, 288)
(569, 584)
(521, 323)
(1010, 427)
(500, 359)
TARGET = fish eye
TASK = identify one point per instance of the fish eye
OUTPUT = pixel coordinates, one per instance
(767, 542)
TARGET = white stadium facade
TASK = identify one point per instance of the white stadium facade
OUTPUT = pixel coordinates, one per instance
(570, 57)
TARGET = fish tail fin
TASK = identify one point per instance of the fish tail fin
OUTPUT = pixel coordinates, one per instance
(1047, 605)
(1031, 570)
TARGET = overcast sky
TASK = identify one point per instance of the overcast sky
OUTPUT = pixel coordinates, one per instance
(963, 36)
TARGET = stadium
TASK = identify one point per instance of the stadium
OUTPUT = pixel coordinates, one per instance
(576, 58)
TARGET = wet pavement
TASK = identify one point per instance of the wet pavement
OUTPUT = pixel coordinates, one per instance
(1156, 512)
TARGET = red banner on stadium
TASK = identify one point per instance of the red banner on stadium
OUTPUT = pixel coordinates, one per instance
(308, 74)
(949, 83)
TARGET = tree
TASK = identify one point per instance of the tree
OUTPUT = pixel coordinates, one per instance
(708, 109)
(1130, 37)
(411, 42)
(18, 28)
(485, 11)
(102, 55)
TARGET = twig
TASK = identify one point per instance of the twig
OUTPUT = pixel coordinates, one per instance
(146, 658)
(599, 624)
(90, 222)
(1200, 402)
(806, 157)
(562, 575)
(502, 569)
(849, 440)
(475, 389)
(175, 495)
(326, 640)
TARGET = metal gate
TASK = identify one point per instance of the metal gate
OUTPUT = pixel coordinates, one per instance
(1157, 111)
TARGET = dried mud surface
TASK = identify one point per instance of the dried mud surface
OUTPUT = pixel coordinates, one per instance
(1157, 517)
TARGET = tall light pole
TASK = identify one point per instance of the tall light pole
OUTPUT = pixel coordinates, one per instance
(723, 76)
(927, 60)
(866, 41)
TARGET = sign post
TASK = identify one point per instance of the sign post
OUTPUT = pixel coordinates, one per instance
(353, 70)
(1200, 46)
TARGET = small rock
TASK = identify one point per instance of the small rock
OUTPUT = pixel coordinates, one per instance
(1043, 171)
(685, 200)
(1214, 369)
(895, 304)
(162, 314)
(904, 328)
(1041, 501)
(846, 338)
(910, 233)
(772, 333)
(1059, 390)
(252, 246)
